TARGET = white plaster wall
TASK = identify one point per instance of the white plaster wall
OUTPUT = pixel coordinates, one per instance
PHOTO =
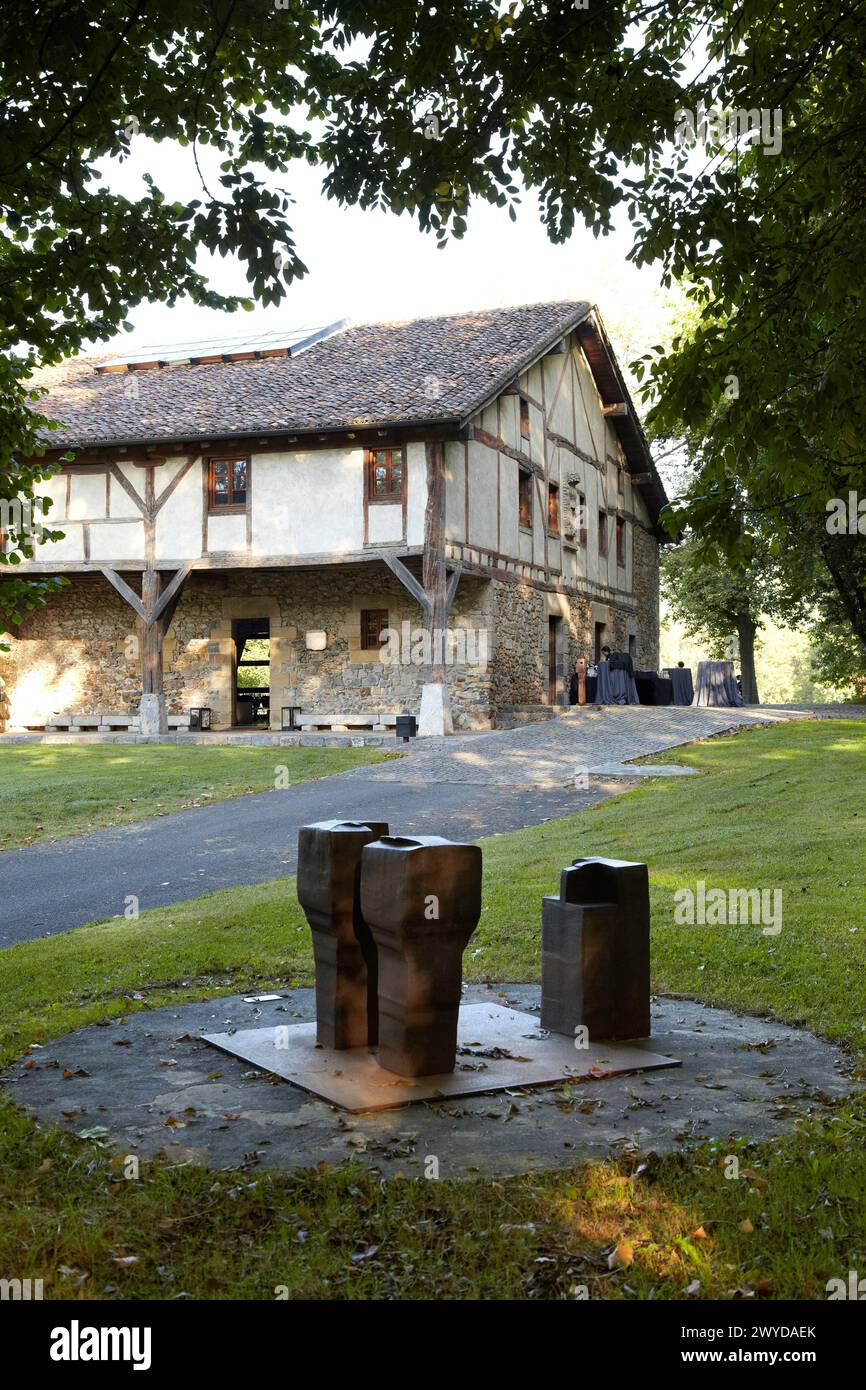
(225, 533)
(482, 495)
(178, 523)
(55, 488)
(88, 496)
(455, 493)
(416, 458)
(309, 502)
(123, 541)
(385, 524)
(508, 509)
(70, 549)
(120, 504)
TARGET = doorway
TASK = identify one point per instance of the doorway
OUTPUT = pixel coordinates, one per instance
(252, 683)
(552, 641)
(600, 630)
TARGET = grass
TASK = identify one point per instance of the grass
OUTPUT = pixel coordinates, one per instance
(780, 807)
(52, 790)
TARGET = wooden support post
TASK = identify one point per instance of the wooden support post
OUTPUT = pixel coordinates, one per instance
(151, 635)
(435, 704)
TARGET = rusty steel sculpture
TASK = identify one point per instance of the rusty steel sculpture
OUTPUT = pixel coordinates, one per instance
(390, 918)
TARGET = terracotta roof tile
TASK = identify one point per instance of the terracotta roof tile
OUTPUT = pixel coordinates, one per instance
(423, 370)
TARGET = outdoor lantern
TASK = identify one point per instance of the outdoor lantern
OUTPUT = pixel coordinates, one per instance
(317, 641)
(200, 718)
(288, 716)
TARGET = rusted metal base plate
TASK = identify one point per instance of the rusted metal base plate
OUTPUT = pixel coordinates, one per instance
(497, 1049)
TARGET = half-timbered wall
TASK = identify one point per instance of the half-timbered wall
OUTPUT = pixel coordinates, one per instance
(299, 503)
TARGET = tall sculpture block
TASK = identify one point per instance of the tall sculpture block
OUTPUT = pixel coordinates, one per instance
(595, 964)
(329, 878)
(421, 898)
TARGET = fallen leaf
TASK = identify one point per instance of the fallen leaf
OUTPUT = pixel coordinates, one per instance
(622, 1255)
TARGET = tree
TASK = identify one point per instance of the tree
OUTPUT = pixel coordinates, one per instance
(716, 601)
(769, 237)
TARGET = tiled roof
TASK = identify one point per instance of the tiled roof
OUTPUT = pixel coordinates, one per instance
(373, 375)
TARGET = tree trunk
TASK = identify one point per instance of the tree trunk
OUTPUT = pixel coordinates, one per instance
(746, 629)
(848, 580)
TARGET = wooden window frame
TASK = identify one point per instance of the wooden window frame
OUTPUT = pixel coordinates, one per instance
(553, 509)
(388, 499)
(603, 538)
(230, 508)
(365, 617)
(581, 520)
(524, 418)
(525, 488)
(620, 542)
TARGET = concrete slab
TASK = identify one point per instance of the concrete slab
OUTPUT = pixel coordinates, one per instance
(498, 1049)
(149, 1084)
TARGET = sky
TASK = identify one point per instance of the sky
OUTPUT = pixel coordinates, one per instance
(367, 266)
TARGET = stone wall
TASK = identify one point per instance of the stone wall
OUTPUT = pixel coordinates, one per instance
(646, 592)
(79, 654)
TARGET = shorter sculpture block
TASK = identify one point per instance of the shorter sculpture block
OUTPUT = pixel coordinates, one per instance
(595, 964)
(329, 876)
(421, 898)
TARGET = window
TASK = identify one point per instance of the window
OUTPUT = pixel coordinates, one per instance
(228, 485)
(373, 623)
(602, 533)
(524, 497)
(524, 417)
(581, 518)
(553, 509)
(385, 475)
(620, 542)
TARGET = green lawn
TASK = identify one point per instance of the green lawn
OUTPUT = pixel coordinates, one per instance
(777, 808)
(48, 790)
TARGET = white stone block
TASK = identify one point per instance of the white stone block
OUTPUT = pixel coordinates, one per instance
(435, 718)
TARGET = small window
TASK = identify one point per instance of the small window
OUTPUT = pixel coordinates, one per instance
(553, 509)
(620, 542)
(524, 417)
(385, 475)
(228, 485)
(602, 533)
(524, 496)
(581, 518)
(373, 624)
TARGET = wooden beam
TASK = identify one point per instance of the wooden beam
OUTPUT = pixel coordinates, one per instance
(408, 580)
(114, 470)
(617, 408)
(125, 592)
(174, 586)
(434, 558)
(451, 589)
(178, 478)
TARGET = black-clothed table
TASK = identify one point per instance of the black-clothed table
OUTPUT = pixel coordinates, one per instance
(681, 677)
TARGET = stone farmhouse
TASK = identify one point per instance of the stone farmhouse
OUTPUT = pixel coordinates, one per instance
(334, 505)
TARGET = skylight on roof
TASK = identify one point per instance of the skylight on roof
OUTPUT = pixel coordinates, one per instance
(276, 342)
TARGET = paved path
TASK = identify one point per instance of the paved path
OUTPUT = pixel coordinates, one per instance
(465, 787)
